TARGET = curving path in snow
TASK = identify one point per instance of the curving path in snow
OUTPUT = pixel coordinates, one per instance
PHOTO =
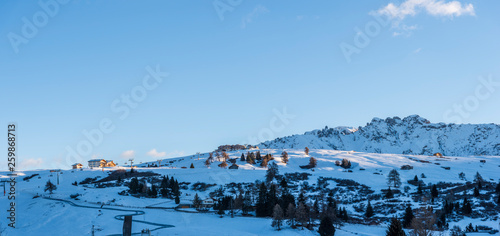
(117, 217)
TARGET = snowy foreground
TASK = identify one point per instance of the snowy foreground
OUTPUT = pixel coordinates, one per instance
(42, 216)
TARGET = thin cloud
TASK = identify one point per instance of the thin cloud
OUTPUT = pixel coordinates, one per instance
(431, 7)
(397, 13)
(417, 50)
(31, 163)
(404, 30)
(127, 154)
(154, 153)
(249, 18)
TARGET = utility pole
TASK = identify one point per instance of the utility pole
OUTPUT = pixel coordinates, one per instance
(57, 178)
(131, 164)
(93, 230)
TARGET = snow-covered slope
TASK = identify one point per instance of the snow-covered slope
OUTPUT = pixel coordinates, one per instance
(411, 135)
(39, 216)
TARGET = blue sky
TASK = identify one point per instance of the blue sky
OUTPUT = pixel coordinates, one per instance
(230, 77)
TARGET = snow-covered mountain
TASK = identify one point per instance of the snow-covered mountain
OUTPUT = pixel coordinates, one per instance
(411, 135)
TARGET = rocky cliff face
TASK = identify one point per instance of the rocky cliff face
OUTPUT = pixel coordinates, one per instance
(411, 135)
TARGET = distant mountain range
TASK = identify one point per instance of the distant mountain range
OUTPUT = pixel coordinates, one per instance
(411, 135)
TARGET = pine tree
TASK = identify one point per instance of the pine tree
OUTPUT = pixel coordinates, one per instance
(469, 228)
(395, 228)
(478, 179)
(251, 158)
(133, 186)
(258, 156)
(220, 210)
(434, 191)
(192, 166)
(177, 200)
(301, 198)
(315, 210)
(49, 186)
(260, 209)
(466, 207)
(419, 189)
(369, 210)
(415, 178)
(476, 192)
(242, 157)
(461, 176)
(441, 223)
(197, 201)
(345, 216)
(394, 179)
(408, 217)
(272, 199)
(153, 192)
(272, 172)
(389, 193)
(457, 231)
(277, 217)
(497, 189)
(326, 227)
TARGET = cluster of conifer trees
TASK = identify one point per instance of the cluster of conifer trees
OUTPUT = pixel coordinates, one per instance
(168, 188)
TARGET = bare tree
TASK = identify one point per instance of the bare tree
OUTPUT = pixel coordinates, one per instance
(277, 217)
(223, 164)
(302, 215)
(284, 157)
(290, 214)
(423, 223)
(312, 162)
(225, 156)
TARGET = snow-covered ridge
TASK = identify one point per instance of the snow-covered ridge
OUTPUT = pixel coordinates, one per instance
(410, 135)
